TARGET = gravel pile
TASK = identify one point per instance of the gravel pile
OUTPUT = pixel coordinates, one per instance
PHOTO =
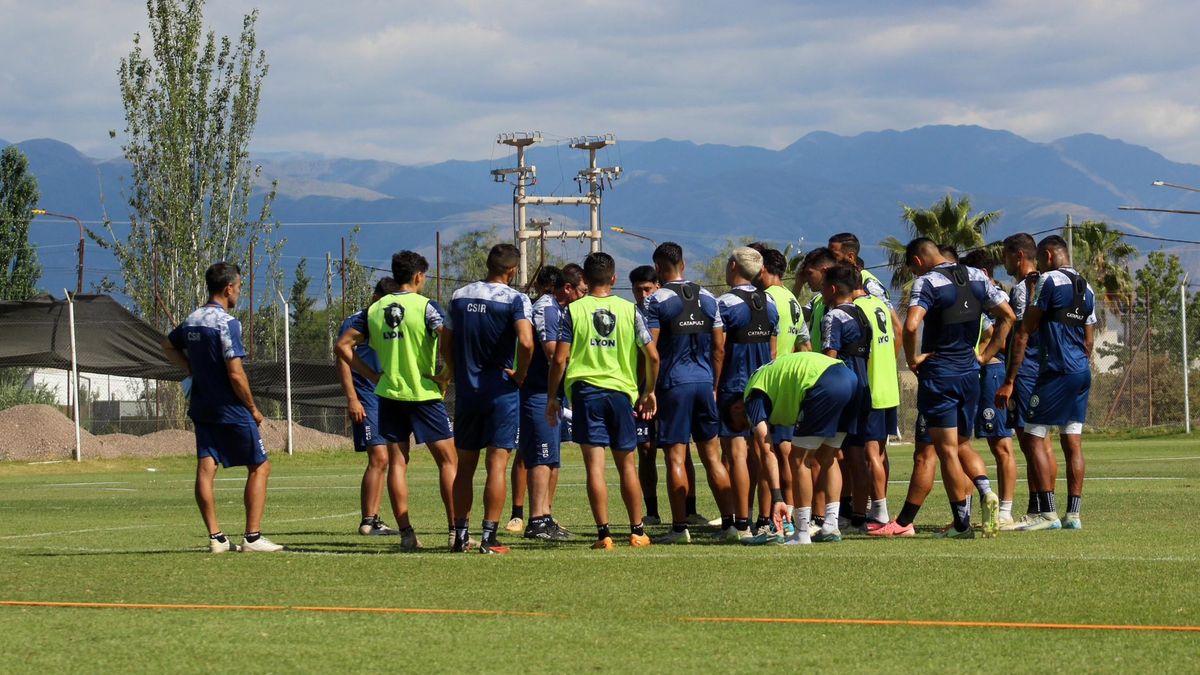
(32, 433)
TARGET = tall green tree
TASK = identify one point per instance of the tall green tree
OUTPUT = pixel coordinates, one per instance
(946, 222)
(300, 301)
(191, 104)
(1102, 256)
(18, 196)
(710, 272)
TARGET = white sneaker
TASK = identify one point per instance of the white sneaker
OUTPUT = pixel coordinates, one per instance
(227, 546)
(261, 545)
(728, 534)
(798, 539)
(715, 522)
(674, 537)
(1043, 521)
(515, 525)
(813, 528)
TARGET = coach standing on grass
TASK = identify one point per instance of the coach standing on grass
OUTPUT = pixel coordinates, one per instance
(208, 345)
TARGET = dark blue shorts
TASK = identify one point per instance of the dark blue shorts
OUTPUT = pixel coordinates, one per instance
(1060, 398)
(990, 421)
(782, 433)
(487, 421)
(540, 443)
(877, 425)
(230, 443)
(366, 433)
(949, 401)
(647, 432)
(687, 412)
(921, 432)
(427, 421)
(827, 406)
(1022, 392)
(602, 417)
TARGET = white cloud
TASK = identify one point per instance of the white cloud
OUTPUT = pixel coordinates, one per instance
(416, 82)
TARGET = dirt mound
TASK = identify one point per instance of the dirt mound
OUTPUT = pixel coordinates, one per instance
(32, 433)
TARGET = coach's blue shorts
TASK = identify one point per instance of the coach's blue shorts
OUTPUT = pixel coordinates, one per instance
(687, 412)
(1022, 392)
(602, 417)
(230, 443)
(1060, 398)
(723, 430)
(647, 432)
(540, 443)
(828, 405)
(949, 401)
(487, 421)
(366, 432)
(990, 421)
(877, 425)
(426, 421)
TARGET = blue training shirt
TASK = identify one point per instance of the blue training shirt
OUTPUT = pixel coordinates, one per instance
(839, 330)
(1062, 346)
(741, 360)
(362, 386)
(1019, 299)
(209, 337)
(684, 359)
(546, 315)
(953, 345)
(484, 319)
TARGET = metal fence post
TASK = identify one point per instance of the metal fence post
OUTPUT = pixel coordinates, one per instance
(74, 374)
(287, 367)
(1187, 404)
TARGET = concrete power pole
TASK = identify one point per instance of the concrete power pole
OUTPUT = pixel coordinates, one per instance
(594, 177)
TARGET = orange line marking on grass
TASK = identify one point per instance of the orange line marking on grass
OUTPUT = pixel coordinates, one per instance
(944, 624)
(272, 608)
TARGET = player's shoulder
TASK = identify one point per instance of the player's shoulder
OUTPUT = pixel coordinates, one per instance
(543, 303)
(663, 294)
(976, 274)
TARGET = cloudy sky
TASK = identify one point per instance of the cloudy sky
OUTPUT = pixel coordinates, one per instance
(421, 82)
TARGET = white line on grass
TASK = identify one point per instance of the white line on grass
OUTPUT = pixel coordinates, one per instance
(144, 527)
(1154, 459)
(101, 482)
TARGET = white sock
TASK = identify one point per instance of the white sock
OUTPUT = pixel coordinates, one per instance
(831, 517)
(1006, 510)
(801, 518)
(879, 511)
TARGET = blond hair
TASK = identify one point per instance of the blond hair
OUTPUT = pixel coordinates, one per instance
(746, 261)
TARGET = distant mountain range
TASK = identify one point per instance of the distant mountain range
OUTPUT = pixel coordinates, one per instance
(698, 195)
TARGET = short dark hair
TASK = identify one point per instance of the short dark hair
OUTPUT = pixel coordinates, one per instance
(1054, 242)
(844, 278)
(668, 253)
(406, 265)
(219, 275)
(1021, 242)
(920, 246)
(948, 252)
(599, 268)
(819, 256)
(774, 262)
(846, 240)
(502, 258)
(572, 275)
(548, 278)
(981, 258)
(386, 286)
(643, 274)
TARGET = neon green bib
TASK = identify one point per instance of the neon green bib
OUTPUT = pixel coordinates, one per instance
(786, 380)
(604, 349)
(407, 350)
(881, 364)
(789, 317)
(814, 329)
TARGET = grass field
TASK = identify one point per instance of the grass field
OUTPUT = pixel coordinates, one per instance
(114, 532)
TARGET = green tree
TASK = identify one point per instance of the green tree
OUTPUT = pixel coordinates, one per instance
(711, 272)
(1102, 256)
(946, 222)
(18, 196)
(299, 300)
(191, 104)
(1157, 286)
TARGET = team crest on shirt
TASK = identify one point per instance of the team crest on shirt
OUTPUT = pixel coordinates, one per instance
(881, 320)
(393, 314)
(604, 321)
(989, 414)
(1034, 401)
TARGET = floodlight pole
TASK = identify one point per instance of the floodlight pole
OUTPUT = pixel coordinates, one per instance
(74, 374)
(1187, 404)
(79, 280)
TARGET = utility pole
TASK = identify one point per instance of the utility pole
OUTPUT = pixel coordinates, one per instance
(251, 321)
(1070, 240)
(594, 177)
(329, 299)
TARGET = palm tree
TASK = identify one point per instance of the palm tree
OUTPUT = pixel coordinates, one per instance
(947, 222)
(1102, 256)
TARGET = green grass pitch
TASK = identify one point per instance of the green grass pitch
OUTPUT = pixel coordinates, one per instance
(113, 532)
